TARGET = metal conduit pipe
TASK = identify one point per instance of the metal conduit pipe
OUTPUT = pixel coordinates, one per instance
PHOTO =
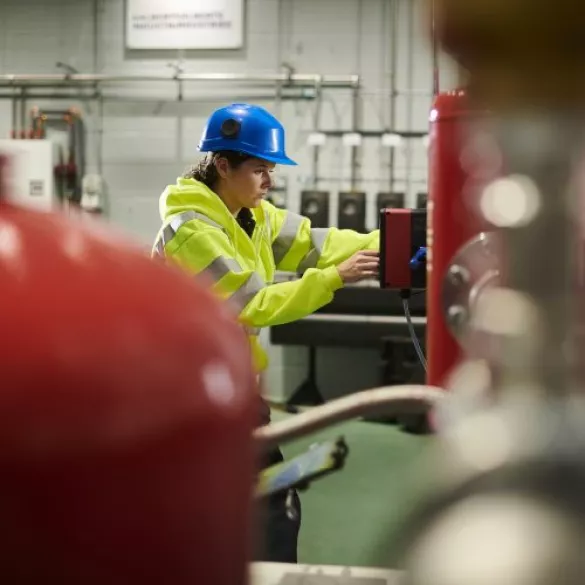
(355, 124)
(393, 90)
(297, 79)
(411, 20)
(389, 400)
(375, 180)
(22, 130)
(68, 97)
(316, 127)
(15, 105)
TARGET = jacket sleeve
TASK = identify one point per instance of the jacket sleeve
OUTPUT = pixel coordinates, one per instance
(298, 247)
(258, 303)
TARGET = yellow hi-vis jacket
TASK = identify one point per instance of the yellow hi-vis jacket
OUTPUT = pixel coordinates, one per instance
(202, 236)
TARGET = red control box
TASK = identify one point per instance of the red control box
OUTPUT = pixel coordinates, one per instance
(403, 232)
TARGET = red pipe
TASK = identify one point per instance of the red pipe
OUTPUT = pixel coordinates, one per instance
(451, 222)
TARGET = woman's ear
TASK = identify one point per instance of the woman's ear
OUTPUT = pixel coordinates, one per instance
(222, 166)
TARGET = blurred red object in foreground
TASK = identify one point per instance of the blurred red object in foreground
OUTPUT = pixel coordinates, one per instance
(127, 405)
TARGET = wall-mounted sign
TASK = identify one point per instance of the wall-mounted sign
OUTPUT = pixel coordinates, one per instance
(184, 24)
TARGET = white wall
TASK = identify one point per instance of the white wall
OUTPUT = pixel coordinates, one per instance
(141, 146)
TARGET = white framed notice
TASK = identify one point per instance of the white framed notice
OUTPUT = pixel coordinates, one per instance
(184, 24)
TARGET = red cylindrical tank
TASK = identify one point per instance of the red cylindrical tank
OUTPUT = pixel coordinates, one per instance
(127, 404)
(453, 218)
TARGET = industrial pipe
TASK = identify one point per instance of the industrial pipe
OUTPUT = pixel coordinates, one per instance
(410, 82)
(14, 126)
(316, 127)
(370, 180)
(377, 133)
(393, 400)
(355, 124)
(394, 19)
(128, 98)
(92, 81)
(23, 95)
(298, 79)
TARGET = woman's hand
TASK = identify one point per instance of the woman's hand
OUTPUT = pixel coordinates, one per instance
(363, 264)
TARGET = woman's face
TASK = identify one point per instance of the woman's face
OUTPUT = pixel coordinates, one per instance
(246, 185)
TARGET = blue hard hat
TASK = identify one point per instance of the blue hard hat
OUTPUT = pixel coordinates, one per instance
(246, 128)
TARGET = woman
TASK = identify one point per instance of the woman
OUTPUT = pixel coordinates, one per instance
(216, 222)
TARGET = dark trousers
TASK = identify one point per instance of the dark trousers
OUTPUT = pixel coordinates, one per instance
(278, 523)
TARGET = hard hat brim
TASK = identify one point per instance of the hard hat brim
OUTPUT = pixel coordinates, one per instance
(279, 160)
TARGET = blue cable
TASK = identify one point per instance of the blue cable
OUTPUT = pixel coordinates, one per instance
(418, 258)
(415, 262)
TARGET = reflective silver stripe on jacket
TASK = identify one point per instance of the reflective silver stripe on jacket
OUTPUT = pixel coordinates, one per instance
(246, 292)
(251, 330)
(268, 226)
(159, 248)
(222, 266)
(318, 237)
(251, 287)
(286, 236)
(175, 223)
(219, 267)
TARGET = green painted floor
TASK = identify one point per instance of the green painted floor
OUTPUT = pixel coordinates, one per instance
(351, 517)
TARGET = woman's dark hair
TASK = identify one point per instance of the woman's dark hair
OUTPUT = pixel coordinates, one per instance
(206, 171)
